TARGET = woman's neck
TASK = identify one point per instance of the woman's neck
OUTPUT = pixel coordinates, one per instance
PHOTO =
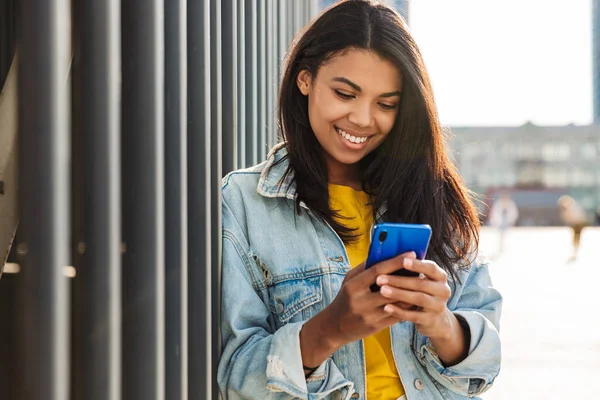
(343, 174)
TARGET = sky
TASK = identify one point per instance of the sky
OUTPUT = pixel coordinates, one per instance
(507, 62)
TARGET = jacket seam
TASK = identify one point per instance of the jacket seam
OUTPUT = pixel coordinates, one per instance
(228, 178)
(227, 234)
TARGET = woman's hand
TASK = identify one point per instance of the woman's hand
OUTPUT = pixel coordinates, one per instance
(355, 313)
(429, 294)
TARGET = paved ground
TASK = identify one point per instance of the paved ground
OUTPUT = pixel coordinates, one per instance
(550, 325)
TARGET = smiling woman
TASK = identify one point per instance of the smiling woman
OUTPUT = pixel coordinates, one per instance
(361, 144)
(348, 121)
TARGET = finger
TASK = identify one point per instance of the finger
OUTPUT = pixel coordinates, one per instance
(378, 302)
(406, 306)
(405, 315)
(368, 276)
(390, 320)
(433, 288)
(351, 274)
(426, 267)
(419, 299)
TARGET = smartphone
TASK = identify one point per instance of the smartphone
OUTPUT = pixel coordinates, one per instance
(389, 240)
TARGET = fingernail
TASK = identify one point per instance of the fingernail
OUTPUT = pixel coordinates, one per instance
(386, 290)
(382, 280)
(388, 309)
(408, 262)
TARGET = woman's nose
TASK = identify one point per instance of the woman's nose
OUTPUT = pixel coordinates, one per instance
(362, 116)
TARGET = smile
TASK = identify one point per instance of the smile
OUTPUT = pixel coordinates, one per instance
(350, 138)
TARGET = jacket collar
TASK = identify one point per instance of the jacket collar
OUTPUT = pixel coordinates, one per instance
(271, 182)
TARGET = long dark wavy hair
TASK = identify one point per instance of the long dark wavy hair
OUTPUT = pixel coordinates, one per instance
(410, 172)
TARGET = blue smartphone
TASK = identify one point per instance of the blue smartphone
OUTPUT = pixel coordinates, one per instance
(392, 239)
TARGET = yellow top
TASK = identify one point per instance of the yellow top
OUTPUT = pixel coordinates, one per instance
(383, 381)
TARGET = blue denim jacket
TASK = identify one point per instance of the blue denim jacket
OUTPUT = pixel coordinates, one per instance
(281, 269)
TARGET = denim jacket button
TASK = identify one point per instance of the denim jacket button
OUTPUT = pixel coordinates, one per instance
(355, 396)
(337, 395)
(279, 308)
(419, 384)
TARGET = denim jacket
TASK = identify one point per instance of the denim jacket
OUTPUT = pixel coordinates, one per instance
(281, 269)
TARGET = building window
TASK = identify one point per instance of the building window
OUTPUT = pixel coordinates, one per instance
(556, 151)
(588, 151)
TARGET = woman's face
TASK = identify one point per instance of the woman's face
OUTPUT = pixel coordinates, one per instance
(352, 104)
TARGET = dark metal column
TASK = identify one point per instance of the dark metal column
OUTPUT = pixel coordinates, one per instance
(262, 84)
(252, 140)
(230, 87)
(241, 84)
(97, 286)
(44, 199)
(9, 369)
(176, 200)
(143, 200)
(271, 79)
(216, 131)
(199, 200)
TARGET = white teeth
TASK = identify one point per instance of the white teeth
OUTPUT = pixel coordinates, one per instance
(351, 138)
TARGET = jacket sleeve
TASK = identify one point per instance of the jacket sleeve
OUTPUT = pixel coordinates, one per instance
(479, 304)
(257, 363)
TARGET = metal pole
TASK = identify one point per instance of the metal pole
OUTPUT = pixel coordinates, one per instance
(143, 200)
(199, 200)
(44, 199)
(241, 84)
(252, 142)
(216, 156)
(230, 87)
(283, 42)
(271, 80)
(262, 83)
(97, 287)
(176, 200)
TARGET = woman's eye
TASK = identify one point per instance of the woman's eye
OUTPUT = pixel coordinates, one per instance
(344, 95)
(388, 106)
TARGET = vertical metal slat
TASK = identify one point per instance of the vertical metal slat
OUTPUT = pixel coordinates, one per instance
(44, 199)
(199, 201)
(251, 83)
(176, 221)
(215, 171)
(262, 84)
(97, 287)
(230, 87)
(282, 40)
(143, 200)
(241, 84)
(270, 81)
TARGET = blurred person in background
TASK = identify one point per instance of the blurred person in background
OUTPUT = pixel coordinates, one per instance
(503, 215)
(572, 215)
(362, 144)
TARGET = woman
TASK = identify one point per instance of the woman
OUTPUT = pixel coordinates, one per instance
(362, 144)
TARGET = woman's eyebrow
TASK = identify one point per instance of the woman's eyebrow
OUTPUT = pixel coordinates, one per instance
(358, 89)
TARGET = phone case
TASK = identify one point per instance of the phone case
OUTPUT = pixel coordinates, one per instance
(391, 239)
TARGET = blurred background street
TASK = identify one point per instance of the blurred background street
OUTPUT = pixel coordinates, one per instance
(550, 324)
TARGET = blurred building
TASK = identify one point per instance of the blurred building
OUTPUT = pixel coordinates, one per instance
(536, 163)
(399, 5)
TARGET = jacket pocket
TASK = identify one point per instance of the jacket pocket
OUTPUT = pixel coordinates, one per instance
(291, 300)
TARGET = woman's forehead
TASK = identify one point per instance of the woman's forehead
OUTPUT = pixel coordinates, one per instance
(364, 68)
